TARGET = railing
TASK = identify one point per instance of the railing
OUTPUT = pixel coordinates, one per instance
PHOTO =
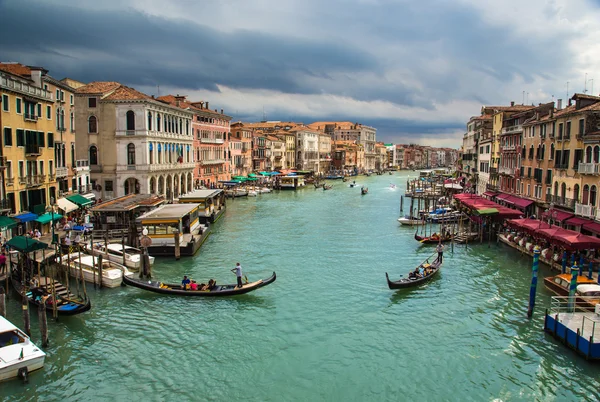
(512, 129)
(9, 181)
(588, 211)
(62, 172)
(508, 147)
(34, 180)
(489, 187)
(588, 168)
(505, 170)
(62, 129)
(32, 150)
(9, 83)
(22, 179)
(129, 132)
(212, 162)
(96, 168)
(30, 117)
(85, 189)
(5, 204)
(561, 201)
(51, 177)
(212, 140)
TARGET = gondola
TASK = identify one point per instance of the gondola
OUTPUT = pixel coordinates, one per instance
(68, 304)
(364, 190)
(217, 291)
(430, 271)
(432, 239)
(327, 187)
(317, 184)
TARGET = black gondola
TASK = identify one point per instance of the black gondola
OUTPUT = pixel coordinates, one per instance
(413, 280)
(68, 304)
(364, 190)
(216, 291)
(432, 239)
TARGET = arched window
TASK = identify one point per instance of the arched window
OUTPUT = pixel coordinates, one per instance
(72, 126)
(93, 155)
(92, 124)
(551, 156)
(576, 192)
(531, 152)
(130, 120)
(131, 154)
(149, 121)
(543, 152)
(586, 195)
(588, 155)
(158, 126)
(563, 192)
(593, 196)
(555, 189)
(180, 126)
(596, 154)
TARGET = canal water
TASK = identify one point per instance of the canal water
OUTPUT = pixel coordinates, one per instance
(328, 328)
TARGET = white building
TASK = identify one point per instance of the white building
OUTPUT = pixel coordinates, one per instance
(307, 149)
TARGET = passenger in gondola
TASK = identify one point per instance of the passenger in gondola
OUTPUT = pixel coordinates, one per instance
(212, 284)
(193, 285)
(421, 271)
(185, 283)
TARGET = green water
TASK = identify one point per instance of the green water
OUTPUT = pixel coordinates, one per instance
(327, 329)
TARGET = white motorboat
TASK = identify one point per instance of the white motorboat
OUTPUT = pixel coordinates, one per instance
(133, 256)
(263, 190)
(18, 355)
(410, 221)
(252, 193)
(112, 272)
(236, 192)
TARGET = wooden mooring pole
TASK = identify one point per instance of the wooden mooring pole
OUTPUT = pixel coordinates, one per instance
(177, 247)
(43, 324)
(100, 271)
(2, 302)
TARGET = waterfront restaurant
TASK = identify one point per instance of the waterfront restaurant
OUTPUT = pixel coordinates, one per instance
(212, 203)
(171, 221)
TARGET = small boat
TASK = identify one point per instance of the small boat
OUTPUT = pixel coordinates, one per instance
(390, 173)
(411, 221)
(216, 291)
(68, 303)
(435, 238)
(18, 355)
(560, 284)
(133, 256)
(364, 190)
(392, 185)
(263, 190)
(252, 193)
(236, 192)
(327, 186)
(87, 265)
(353, 184)
(414, 279)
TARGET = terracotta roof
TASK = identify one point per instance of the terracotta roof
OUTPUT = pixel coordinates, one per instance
(344, 125)
(172, 100)
(126, 93)
(273, 124)
(16, 69)
(98, 87)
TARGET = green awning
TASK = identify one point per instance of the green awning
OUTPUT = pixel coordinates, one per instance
(25, 244)
(251, 175)
(6, 222)
(251, 179)
(487, 211)
(79, 200)
(47, 217)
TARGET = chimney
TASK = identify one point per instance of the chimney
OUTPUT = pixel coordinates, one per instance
(559, 104)
(179, 99)
(551, 113)
(36, 76)
(207, 105)
(569, 101)
(512, 103)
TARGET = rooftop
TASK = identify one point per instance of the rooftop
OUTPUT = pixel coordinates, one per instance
(169, 211)
(200, 194)
(128, 203)
(98, 87)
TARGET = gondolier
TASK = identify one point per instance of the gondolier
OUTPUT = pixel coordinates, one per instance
(238, 273)
(440, 251)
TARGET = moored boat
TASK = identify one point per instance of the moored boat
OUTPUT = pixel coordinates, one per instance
(18, 355)
(414, 278)
(87, 265)
(411, 221)
(434, 238)
(214, 291)
(114, 252)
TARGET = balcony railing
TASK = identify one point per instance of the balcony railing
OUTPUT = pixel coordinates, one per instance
(32, 150)
(10, 181)
(588, 168)
(6, 204)
(212, 140)
(9, 83)
(561, 166)
(96, 168)
(85, 189)
(588, 211)
(508, 147)
(62, 172)
(561, 201)
(30, 117)
(506, 170)
(512, 129)
(35, 180)
(211, 162)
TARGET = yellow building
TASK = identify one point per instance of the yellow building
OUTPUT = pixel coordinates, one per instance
(28, 131)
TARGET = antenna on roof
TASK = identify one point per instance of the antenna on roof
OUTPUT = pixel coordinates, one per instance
(585, 84)
(523, 102)
(567, 89)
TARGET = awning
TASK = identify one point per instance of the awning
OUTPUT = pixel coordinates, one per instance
(79, 200)
(90, 196)
(26, 217)
(503, 196)
(518, 201)
(48, 217)
(576, 221)
(593, 227)
(487, 211)
(25, 244)
(557, 215)
(490, 194)
(66, 205)
(7, 223)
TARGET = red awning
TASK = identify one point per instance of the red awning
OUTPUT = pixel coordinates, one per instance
(557, 215)
(490, 194)
(520, 202)
(576, 221)
(593, 227)
(503, 196)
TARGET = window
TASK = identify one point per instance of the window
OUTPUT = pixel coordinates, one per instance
(560, 131)
(108, 185)
(131, 154)
(7, 136)
(91, 102)
(568, 130)
(19, 111)
(50, 140)
(50, 168)
(93, 155)
(157, 121)
(72, 122)
(9, 171)
(5, 105)
(72, 100)
(40, 139)
(57, 94)
(21, 169)
(581, 126)
(92, 124)
(49, 112)
(130, 120)
(551, 152)
(578, 158)
(149, 121)
(39, 110)
(20, 138)
(73, 154)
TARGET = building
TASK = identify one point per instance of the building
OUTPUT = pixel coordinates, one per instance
(135, 143)
(307, 148)
(242, 163)
(28, 131)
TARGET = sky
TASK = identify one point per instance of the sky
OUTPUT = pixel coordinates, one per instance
(415, 70)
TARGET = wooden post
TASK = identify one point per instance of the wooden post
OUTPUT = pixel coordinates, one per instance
(2, 303)
(43, 324)
(81, 275)
(147, 263)
(100, 271)
(401, 206)
(123, 250)
(177, 248)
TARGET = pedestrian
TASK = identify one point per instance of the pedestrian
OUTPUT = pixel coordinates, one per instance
(3, 262)
(440, 251)
(238, 273)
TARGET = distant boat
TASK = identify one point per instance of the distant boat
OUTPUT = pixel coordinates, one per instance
(364, 190)
(413, 278)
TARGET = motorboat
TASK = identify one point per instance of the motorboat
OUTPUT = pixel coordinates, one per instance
(18, 355)
(263, 190)
(252, 193)
(407, 220)
(115, 251)
(236, 192)
(87, 266)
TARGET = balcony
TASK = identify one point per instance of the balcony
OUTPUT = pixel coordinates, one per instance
(212, 140)
(32, 150)
(508, 147)
(51, 177)
(588, 168)
(212, 162)
(96, 168)
(30, 117)
(35, 180)
(85, 189)
(506, 170)
(513, 129)
(10, 181)
(62, 172)
(561, 201)
(9, 83)
(5, 204)
(588, 211)
(61, 129)
(561, 166)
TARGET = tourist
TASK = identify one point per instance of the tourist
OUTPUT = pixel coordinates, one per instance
(37, 234)
(67, 241)
(3, 262)
(212, 284)
(185, 283)
(440, 251)
(238, 273)
(421, 271)
(194, 285)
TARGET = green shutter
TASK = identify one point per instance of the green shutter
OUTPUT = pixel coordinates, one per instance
(41, 141)
(19, 111)
(20, 138)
